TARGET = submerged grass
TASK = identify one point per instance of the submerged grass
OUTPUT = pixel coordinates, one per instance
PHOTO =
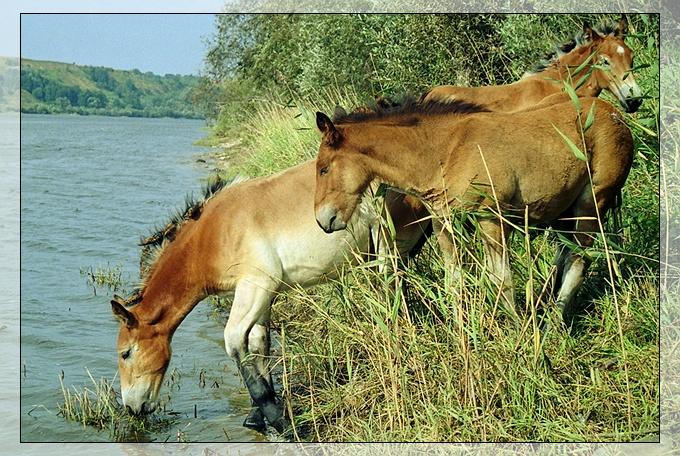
(406, 354)
(100, 408)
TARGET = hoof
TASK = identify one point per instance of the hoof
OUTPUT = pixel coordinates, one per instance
(281, 424)
(255, 420)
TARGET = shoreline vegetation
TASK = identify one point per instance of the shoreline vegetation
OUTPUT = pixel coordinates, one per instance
(64, 88)
(391, 355)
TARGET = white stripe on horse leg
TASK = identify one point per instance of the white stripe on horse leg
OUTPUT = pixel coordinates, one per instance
(574, 271)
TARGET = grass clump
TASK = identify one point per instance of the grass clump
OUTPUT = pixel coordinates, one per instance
(407, 353)
(107, 276)
(100, 408)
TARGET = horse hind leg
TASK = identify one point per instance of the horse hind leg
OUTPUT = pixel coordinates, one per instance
(585, 229)
(574, 270)
(251, 306)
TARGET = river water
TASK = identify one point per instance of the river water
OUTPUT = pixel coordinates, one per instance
(90, 186)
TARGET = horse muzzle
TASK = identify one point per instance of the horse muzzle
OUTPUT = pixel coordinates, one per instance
(631, 105)
(330, 220)
(142, 409)
(630, 95)
(137, 401)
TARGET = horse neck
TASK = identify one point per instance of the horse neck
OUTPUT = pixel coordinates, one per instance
(569, 62)
(406, 157)
(171, 292)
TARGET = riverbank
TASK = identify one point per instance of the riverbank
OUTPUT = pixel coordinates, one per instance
(392, 356)
(66, 88)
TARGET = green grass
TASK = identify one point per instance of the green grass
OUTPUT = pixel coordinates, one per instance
(397, 357)
(100, 408)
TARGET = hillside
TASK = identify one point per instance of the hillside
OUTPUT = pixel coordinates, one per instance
(9, 84)
(54, 87)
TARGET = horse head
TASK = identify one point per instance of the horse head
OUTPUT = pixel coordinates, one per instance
(340, 182)
(143, 357)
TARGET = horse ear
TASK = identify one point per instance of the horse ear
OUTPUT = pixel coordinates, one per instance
(122, 314)
(339, 112)
(621, 29)
(324, 123)
(588, 33)
(331, 135)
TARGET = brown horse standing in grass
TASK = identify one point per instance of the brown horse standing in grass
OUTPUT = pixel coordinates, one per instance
(600, 55)
(456, 156)
(250, 240)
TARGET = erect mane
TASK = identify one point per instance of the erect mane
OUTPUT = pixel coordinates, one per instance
(153, 245)
(579, 40)
(408, 106)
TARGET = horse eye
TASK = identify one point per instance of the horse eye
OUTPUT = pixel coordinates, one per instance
(125, 354)
(323, 171)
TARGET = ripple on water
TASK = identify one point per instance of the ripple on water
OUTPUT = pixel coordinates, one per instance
(90, 188)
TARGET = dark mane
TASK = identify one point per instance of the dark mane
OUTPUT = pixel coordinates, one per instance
(579, 40)
(192, 211)
(153, 244)
(408, 106)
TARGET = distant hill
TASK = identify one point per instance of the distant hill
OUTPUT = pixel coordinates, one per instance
(9, 84)
(54, 87)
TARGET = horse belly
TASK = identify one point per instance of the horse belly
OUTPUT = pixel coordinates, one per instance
(549, 200)
(310, 258)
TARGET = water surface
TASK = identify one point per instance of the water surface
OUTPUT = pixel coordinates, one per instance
(90, 187)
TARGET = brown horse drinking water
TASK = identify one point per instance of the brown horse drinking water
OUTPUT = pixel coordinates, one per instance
(252, 239)
(455, 156)
(600, 55)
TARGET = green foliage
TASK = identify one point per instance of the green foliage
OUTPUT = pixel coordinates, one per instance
(394, 355)
(51, 87)
(258, 55)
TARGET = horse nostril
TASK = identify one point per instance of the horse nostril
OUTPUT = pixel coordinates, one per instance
(129, 410)
(633, 105)
(332, 222)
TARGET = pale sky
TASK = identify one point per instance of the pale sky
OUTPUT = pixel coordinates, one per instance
(144, 42)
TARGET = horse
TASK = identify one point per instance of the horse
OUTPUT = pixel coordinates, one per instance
(596, 59)
(459, 156)
(251, 240)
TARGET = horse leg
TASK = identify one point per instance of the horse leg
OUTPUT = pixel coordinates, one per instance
(575, 268)
(251, 305)
(258, 345)
(497, 260)
(449, 252)
(576, 265)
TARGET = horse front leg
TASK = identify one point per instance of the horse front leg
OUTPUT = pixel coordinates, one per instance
(450, 254)
(258, 346)
(251, 306)
(497, 261)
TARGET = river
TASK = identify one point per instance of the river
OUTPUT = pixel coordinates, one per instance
(90, 187)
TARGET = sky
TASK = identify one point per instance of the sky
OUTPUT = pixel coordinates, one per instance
(160, 43)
